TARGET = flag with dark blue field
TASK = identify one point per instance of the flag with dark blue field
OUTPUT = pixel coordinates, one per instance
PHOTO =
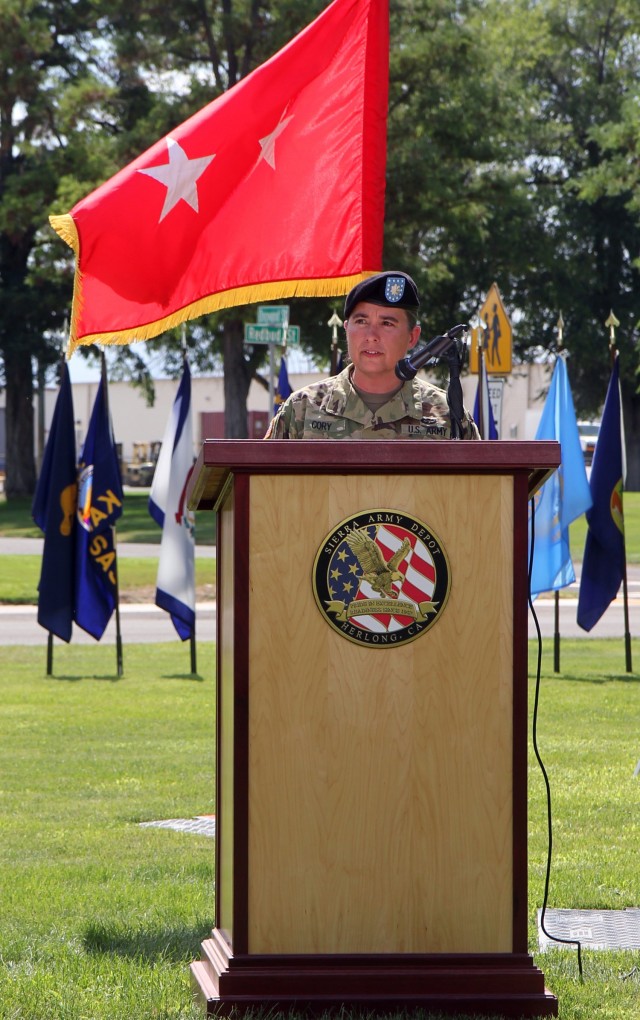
(564, 496)
(482, 409)
(283, 388)
(54, 511)
(100, 500)
(603, 564)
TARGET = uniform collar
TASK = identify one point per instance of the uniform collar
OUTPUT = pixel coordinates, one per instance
(344, 401)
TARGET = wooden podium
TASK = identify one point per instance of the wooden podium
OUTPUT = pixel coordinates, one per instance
(371, 802)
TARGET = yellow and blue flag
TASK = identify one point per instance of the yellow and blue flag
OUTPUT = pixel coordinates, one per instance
(603, 563)
(54, 511)
(100, 499)
(564, 496)
(283, 388)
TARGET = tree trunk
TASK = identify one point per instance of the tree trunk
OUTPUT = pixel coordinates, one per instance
(237, 379)
(20, 467)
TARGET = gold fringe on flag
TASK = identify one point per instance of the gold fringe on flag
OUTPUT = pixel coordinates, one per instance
(251, 294)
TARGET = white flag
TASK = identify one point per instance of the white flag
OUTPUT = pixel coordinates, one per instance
(175, 590)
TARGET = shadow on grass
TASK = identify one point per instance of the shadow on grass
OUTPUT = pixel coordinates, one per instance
(71, 678)
(196, 677)
(603, 678)
(177, 945)
(111, 678)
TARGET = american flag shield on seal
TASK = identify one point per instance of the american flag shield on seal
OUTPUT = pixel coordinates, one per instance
(381, 578)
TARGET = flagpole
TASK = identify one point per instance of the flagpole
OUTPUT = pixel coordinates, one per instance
(272, 372)
(612, 322)
(625, 595)
(556, 631)
(481, 399)
(335, 321)
(192, 639)
(119, 663)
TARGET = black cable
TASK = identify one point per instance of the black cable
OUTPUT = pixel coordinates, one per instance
(554, 938)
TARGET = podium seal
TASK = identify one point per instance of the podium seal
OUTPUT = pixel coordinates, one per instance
(381, 578)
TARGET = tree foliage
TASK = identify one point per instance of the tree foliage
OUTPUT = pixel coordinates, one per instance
(513, 155)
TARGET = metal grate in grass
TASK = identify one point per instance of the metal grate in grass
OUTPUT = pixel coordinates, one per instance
(201, 825)
(594, 929)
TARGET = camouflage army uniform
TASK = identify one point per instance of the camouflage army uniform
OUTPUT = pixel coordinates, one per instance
(333, 409)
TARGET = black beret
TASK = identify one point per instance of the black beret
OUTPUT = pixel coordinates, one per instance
(397, 290)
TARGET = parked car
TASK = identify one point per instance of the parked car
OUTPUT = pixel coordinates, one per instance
(588, 432)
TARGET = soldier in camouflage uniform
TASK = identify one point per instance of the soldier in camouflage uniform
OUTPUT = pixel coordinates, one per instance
(367, 400)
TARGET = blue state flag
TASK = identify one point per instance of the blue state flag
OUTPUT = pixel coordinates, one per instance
(54, 511)
(564, 496)
(283, 388)
(100, 499)
(603, 563)
(175, 586)
(482, 409)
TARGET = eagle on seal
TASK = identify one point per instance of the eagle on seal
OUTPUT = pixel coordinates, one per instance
(377, 571)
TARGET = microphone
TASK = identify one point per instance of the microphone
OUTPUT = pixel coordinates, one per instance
(407, 368)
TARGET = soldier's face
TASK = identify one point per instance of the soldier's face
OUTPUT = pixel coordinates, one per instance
(377, 338)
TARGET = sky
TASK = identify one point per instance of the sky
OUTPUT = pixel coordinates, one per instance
(80, 370)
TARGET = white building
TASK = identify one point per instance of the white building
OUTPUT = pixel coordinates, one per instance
(517, 411)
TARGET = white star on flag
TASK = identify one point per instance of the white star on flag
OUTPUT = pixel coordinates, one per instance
(268, 143)
(179, 176)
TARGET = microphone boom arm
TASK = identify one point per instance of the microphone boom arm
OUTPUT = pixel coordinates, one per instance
(430, 354)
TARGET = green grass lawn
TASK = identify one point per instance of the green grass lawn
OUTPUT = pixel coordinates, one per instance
(19, 577)
(134, 525)
(100, 917)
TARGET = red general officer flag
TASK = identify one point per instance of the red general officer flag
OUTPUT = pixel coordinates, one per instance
(274, 189)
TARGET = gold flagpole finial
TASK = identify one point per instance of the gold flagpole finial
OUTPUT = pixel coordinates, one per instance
(335, 322)
(612, 322)
(560, 328)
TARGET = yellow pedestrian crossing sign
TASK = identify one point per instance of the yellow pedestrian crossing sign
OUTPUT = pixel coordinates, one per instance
(493, 335)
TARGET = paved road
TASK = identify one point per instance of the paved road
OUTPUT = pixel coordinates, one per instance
(609, 625)
(33, 547)
(139, 624)
(148, 624)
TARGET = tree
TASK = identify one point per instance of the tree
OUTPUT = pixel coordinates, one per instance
(454, 189)
(512, 156)
(513, 129)
(577, 71)
(76, 104)
(29, 51)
